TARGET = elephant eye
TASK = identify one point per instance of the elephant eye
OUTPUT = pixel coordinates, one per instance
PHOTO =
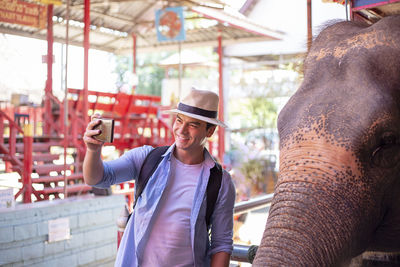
(387, 154)
(388, 139)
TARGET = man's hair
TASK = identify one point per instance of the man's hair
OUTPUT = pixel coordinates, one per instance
(209, 125)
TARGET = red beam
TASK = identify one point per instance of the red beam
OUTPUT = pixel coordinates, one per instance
(309, 25)
(27, 181)
(86, 61)
(221, 130)
(134, 61)
(49, 82)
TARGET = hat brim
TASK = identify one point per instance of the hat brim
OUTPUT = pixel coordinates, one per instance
(195, 116)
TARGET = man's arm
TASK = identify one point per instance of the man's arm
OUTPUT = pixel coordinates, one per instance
(220, 259)
(92, 164)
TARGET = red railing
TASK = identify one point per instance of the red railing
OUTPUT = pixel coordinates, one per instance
(137, 118)
(8, 139)
(8, 147)
(34, 113)
(118, 104)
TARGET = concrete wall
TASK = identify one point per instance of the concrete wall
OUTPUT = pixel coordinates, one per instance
(93, 242)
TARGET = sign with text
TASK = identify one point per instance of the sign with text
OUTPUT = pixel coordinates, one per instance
(7, 198)
(44, 59)
(59, 230)
(50, 2)
(23, 13)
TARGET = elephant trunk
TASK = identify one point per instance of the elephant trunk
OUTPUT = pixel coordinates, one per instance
(309, 223)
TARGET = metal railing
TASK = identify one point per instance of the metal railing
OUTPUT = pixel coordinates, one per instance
(244, 253)
(252, 204)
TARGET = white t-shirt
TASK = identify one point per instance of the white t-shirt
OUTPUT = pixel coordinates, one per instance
(169, 242)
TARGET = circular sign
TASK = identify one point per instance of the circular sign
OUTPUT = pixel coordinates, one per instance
(170, 24)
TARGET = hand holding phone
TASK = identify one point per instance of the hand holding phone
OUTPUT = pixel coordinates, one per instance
(106, 128)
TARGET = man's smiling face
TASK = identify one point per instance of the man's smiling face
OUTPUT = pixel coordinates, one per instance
(190, 134)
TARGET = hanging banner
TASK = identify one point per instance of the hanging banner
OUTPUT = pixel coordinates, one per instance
(50, 2)
(170, 24)
(23, 13)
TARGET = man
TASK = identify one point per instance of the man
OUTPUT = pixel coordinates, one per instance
(168, 226)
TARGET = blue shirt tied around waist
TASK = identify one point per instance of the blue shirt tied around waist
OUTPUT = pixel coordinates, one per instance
(136, 233)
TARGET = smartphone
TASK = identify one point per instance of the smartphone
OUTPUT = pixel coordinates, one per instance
(106, 127)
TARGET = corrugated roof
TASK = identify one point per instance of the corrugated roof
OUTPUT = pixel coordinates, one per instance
(113, 22)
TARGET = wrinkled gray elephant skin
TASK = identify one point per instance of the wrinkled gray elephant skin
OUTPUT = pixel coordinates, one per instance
(338, 192)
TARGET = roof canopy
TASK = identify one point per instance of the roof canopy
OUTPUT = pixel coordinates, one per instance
(371, 11)
(113, 23)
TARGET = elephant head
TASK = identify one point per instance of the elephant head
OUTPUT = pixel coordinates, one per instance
(338, 191)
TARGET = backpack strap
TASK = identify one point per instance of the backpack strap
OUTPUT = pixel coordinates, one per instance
(149, 166)
(213, 186)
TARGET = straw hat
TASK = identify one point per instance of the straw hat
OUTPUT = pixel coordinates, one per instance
(201, 105)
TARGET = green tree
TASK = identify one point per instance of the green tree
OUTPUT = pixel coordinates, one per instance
(150, 74)
(258, 116)
(253, 110)
(122, 64)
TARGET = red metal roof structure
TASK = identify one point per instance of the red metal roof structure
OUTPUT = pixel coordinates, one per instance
(112, 24)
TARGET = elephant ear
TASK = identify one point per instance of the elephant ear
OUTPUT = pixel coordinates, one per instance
(387, 154)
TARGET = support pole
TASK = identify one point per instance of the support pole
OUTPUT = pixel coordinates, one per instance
(49, 81)
(221, 130)
(28, 161)
(351, 10)
(180, 70)
(309, 25)
(134, 61)
(66, 102)
(86, 31)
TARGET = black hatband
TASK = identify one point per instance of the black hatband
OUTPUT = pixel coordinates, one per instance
(197, 111)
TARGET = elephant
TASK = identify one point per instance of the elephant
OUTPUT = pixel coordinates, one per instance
(337, 198)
